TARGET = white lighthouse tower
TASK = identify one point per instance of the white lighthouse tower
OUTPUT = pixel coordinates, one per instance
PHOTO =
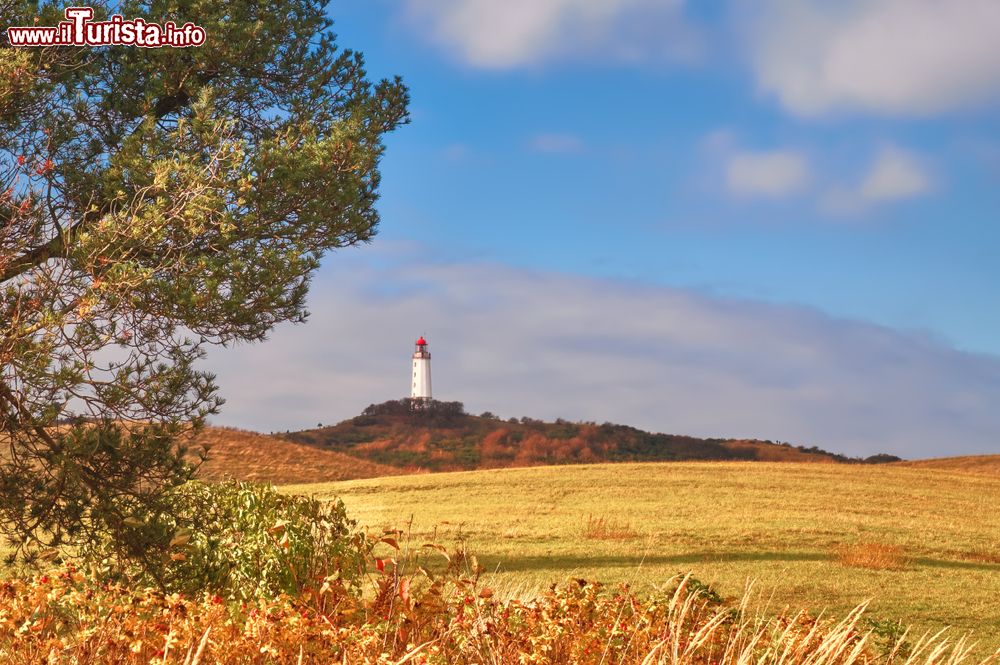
(421, 371)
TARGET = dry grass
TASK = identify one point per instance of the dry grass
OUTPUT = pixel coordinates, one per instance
(983, 555)
(769, 452)
(241, 455)
(236, 454)
(978, 464)
(874, 556)
(65, 618)
(606, 528)
(725, 521)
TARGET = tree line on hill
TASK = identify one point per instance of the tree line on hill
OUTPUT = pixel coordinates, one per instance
(440, 436)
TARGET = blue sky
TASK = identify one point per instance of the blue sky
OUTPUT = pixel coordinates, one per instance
(628, 167)
(821, 167)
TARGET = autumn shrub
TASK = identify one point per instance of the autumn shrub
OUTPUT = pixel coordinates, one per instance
(237, 540)
(415, 616)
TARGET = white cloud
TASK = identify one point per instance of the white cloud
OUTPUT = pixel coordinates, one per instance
(515, 33)
(545, 345)
(556, 143)
(895, 174)
(899, 57)
(774, 174)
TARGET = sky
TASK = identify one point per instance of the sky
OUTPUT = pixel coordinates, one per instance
(756, 219)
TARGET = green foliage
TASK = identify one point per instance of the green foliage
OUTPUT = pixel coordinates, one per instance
(888, 637)
(430, 412)
(239, 540)
(882, 458)
(154, 202)
(702, 590)
(105, 473)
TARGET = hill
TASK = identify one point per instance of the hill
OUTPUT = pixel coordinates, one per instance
(980, 464)
(242, 455)
(925, 547)
(440, 436)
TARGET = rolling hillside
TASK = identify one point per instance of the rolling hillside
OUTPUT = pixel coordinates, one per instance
(442, 437)
(392, 439)
(979, 464)
(242, 455)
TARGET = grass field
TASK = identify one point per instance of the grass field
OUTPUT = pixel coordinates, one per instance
(785, 526)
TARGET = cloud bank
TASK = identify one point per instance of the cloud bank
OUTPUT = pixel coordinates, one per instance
(548, 345)
(517, 33)
(893, 57)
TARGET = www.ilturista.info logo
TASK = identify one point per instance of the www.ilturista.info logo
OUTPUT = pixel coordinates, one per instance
(79, 30)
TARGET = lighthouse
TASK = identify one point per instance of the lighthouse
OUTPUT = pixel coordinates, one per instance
(421, 371)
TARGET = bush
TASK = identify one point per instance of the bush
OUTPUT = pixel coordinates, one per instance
(238, 540)
(882, 458)
(424, 408)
